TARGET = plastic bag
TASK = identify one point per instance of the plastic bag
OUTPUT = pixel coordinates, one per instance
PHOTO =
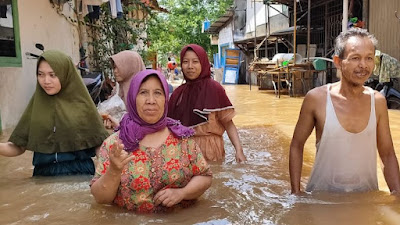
(114, 106)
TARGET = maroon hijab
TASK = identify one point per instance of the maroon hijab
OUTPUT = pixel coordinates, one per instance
(193, 101)
(133, 128)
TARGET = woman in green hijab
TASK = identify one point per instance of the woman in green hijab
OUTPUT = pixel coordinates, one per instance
(61, 124)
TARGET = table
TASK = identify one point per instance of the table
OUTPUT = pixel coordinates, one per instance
(288, 74)
(281, 76)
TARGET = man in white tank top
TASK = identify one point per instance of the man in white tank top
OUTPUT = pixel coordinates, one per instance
(351, 123)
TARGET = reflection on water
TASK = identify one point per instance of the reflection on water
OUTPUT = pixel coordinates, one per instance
(257, 192)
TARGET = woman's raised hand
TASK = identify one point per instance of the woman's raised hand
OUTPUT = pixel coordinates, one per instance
(119, 157)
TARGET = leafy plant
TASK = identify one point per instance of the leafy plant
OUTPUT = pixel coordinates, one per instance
(169, 32)
(109, 35)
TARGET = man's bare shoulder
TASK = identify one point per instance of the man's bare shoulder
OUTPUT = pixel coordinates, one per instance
(315, 99)
(379, 97)
(317, 94)
(380, 101)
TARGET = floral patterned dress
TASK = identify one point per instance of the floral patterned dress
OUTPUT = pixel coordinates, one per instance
(172, 165)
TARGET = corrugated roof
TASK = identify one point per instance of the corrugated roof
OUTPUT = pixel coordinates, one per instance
(217, 25)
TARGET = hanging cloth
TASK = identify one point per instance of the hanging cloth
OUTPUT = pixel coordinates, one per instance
(390, 68)
(113, 7)
(119, 9)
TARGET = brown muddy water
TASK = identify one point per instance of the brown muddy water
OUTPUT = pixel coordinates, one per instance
(257, 192)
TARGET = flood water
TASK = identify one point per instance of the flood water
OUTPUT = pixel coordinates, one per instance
(257, 192)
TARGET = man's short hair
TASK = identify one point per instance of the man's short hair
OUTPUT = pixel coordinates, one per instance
(341, 40)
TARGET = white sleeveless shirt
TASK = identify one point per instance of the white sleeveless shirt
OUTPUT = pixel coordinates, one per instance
(345, 161)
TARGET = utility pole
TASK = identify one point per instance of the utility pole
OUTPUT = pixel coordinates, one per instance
(345, 15)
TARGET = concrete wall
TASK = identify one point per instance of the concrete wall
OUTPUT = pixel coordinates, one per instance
(225, 35)
(39, 23)
(261, 14)
(278, 21)
(385, 26)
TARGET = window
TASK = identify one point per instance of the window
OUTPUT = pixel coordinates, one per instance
(10, 50)
(223, 48)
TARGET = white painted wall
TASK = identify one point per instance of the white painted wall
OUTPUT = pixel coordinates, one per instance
(261, 14)
(225, 35)
(39, 23)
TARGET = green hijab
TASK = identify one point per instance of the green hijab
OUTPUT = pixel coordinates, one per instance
(65, 122)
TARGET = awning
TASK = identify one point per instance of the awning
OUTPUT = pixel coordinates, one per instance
(217, 25)
(249, 41)
(284, 2)
(273, 36)
(289, 31)
(302, 2)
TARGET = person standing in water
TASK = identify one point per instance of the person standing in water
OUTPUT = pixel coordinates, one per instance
(351, 123)
(61, 124)
(202, 103)
(152, 164)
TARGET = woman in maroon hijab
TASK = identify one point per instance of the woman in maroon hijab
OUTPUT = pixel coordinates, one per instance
(202, 103)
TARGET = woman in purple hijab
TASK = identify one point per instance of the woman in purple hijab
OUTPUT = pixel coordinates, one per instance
(152, 163)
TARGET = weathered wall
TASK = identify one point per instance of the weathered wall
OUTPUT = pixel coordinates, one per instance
(225, 35)
(385, 26)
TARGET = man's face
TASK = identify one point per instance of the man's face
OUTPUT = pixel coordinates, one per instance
(357, 63)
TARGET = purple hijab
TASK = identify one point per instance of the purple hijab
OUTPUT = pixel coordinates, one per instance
(133, 128)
